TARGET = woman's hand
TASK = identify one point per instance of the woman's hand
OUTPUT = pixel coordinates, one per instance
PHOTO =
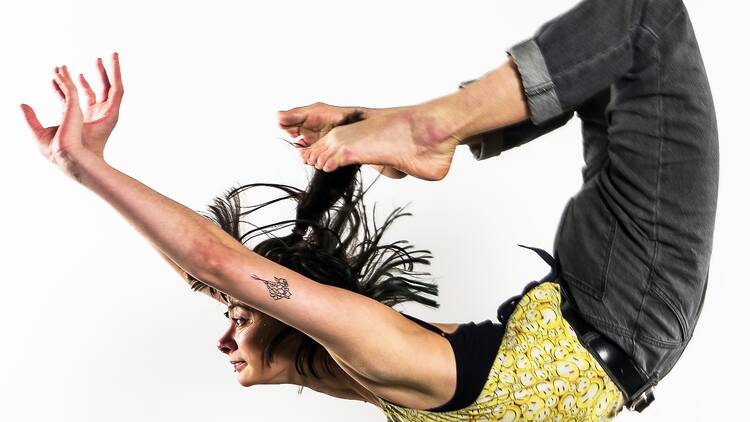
(60, 144)
(79, 131)
(314, 121)
(100, 117)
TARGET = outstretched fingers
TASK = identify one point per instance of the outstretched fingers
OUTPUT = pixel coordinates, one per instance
(116, 90)
(66, 85)
(104, 77)
(90, 96)
(57, 89)
(111, 90)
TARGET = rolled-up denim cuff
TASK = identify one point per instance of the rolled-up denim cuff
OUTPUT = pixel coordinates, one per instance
(537, 83)
(490, 145)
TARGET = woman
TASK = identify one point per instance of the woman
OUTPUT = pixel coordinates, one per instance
(540, 370)
(634, 244)
(354, 345)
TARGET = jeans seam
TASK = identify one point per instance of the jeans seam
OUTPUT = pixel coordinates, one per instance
(673, 307)
(620, 330)
(588, 60)
(665, 26)
(583, 285)
(611, 243)
(660, 119)
(659, 342)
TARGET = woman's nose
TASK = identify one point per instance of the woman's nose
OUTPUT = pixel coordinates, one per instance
(226, 343)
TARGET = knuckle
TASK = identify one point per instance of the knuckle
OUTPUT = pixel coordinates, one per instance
(318, 105)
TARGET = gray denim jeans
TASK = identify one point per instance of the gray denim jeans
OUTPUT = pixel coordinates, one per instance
(634, 244)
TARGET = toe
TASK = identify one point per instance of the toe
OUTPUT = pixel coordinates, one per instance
(322, 159)
(305, 154)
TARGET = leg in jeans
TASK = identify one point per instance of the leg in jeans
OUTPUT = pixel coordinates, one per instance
(634, 243)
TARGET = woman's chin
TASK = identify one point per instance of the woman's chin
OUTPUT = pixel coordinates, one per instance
(244, 378)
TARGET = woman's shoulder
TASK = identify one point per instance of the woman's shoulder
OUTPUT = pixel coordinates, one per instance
(425, 376)
(469, 344)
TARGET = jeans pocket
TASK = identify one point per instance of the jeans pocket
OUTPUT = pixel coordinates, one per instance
(661, 321)
(585, 240)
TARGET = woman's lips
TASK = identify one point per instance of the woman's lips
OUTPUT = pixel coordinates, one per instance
(238, 365)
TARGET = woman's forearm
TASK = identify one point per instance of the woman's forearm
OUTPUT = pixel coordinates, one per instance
(184, 236)
(184, 275)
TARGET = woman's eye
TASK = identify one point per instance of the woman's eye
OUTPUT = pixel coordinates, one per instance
(239, 322)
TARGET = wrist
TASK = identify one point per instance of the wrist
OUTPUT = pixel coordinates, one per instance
(75, 163)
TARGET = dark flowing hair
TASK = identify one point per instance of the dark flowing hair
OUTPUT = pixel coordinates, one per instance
(331, 243)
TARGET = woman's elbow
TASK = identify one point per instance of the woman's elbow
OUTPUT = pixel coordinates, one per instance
(209, 259)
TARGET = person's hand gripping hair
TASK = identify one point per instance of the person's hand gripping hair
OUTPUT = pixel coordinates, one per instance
(414, 140)
(314, 121)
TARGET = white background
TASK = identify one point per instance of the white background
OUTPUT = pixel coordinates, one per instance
(96, 327)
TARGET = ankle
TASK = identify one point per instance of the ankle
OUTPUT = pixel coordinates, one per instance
(443, 119)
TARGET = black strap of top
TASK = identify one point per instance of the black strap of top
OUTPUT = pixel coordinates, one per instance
(475, 347)
(426, 325)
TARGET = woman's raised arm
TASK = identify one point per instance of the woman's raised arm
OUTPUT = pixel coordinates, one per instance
(365, 336)
(99, 120)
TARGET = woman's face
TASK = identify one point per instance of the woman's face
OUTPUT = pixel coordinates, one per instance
(248, 334)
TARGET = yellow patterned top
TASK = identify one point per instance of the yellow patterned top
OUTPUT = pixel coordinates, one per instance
(541, 373)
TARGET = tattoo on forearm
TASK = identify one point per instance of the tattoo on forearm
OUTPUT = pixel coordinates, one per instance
(279, 288)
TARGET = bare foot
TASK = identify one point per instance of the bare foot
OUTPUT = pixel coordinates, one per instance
(405, 140)
(314, 121)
